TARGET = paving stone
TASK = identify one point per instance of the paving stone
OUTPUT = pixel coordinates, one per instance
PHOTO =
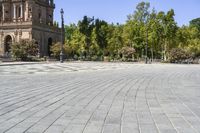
(99, 98)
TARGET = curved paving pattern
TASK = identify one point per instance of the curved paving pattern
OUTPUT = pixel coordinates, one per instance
(104, 98)
(57, 67)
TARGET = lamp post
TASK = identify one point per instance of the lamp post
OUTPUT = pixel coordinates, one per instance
(146, 47)
(62, 36)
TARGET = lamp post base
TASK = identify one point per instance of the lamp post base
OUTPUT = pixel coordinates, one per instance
(61, 57)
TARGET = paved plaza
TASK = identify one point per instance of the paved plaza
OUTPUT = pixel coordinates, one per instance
(99, 98)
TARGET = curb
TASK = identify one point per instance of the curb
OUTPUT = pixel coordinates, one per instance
(21, 63)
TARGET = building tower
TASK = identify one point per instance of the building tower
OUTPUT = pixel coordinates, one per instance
(27, 20)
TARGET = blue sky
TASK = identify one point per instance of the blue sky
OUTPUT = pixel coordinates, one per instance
(116, 11)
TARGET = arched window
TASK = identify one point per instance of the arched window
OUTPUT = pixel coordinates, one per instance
(7, 44)
(50, 42)
(0, 12)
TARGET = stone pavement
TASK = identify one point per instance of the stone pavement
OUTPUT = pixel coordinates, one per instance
(100, 98)
(46, 68)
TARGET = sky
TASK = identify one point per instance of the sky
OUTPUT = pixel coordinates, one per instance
(116, 11)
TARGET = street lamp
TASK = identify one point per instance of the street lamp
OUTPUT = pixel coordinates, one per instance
(62, 36)
(146, 47)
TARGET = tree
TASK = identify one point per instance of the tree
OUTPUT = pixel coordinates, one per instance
(85, 27)
(95, 51)
(168, 29)
(77, 44)
(96, 38)
(188, 38)
(56, 48)
(133, 36)
(154, 35)
(114, 40)
(101, 29)
(171, 29)
(141, 13)
(69, 30)
(137, 27)
(195, 23)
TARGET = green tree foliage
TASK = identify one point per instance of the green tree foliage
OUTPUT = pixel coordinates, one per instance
(188, 38)
(69, 30)
(168, 29)
(24, 49)
(85, 27)
(114, 40)
(101, 30)
(92, 39)
(77, 43)
(56, 48)
(154, 35)
(195, 23)
(141, 13)
(137, 28)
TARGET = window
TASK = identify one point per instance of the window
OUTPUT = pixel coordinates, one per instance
(19, 12)
(0, 12)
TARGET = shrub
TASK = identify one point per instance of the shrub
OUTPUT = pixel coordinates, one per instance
(95, 58)
(75, 57)
(24, 49)
(127, 53)
(106, 58)
(178, 55)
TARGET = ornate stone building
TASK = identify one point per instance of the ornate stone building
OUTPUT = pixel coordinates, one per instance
(27, 19)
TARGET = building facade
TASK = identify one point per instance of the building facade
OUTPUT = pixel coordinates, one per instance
(27, 20)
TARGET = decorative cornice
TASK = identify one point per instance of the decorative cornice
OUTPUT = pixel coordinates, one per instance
(14, 25)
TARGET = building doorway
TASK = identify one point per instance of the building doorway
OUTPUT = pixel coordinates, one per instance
(50, 42)
(7, 45)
